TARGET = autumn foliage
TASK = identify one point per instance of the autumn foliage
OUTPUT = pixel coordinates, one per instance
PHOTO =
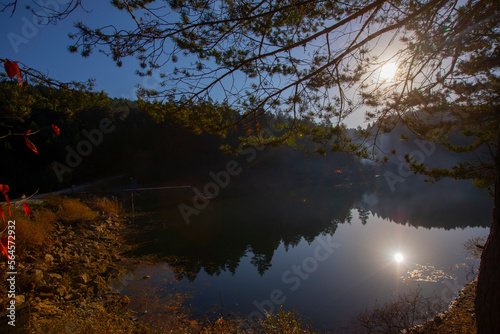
(12, 70)
(34, 226)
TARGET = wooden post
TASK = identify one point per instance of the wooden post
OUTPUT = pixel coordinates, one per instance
(133, 209)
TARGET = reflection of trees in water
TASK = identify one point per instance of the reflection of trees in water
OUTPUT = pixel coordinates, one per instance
(255, 223)
(447, 204)
(364, 214)
(252, 224)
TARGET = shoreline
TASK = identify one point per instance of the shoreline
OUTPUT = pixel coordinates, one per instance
(72, 273)
(460, 316)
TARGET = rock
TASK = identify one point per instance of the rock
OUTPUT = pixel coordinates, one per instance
(49, 258)
(37, 275)
(100, 284)
(83, 278)
(29, 286)
(47, 308)
(80, 303)
(111, 271)
(146, 277)
(45, 289)
(40, 266)
(60, 290)
(124, 301)
(64, 257)
(55, 276)
(29, 259)
(20, 299)
(47, 295)
(77, 295)
(84, 259)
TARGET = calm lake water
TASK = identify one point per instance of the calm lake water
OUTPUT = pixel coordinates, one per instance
(327, 250)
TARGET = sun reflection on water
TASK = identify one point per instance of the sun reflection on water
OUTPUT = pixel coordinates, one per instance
(398, 257)
(426, 273)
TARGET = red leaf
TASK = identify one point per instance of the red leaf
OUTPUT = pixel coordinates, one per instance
(4, 242)
(12, 70)
(56, 129)
(26, 209)
(30, 144)
(4, 189)
(2, 214)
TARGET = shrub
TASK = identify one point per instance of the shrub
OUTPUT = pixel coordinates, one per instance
(45, 218)
(70, 210)
(405, 312)
(105, 205)
(32, 232)
(53, 202)
(285, 322)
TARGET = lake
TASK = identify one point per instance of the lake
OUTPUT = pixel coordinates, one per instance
(326, 249)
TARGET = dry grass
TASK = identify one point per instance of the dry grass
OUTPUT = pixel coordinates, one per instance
(53, 202)
(105, 205)
(280, 321)
(95, 321)
(32, 231)
(283, 321)
(70, 210)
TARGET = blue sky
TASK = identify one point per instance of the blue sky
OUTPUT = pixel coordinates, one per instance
(44, 47)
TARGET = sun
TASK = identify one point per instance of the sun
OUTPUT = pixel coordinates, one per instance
(398, 257)
(388, 71)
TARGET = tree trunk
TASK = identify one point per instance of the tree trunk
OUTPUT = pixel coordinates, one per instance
(488, 283)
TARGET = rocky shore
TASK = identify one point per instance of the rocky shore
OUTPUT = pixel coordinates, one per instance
(458, 318)
(67, 281)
